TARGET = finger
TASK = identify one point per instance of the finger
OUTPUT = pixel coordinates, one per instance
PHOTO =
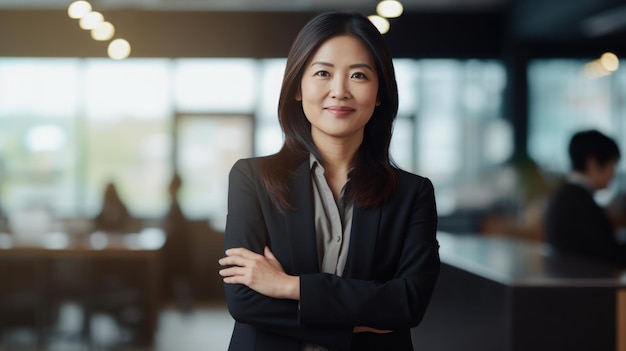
(241, 251)
(232, 271)
(268, 253)
(234, 261)
(234, 280)
(272, 259)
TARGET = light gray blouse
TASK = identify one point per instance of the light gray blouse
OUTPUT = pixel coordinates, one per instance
(333, 223)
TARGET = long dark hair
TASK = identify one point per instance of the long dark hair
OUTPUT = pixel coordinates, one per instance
(372, 178)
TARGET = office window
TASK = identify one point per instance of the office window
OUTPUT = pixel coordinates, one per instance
(127, 133)
(214, 101)
(207, 146)
(69, 126)
(268, 135)
(222, 85)
(563, 100)
(38, 102)
(458, 125)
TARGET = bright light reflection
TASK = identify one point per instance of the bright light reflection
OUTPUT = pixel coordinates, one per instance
(91, 20)
(98, 240)
(151, 238)
(381, 23)
(389, 8)
(78, 9)
(103, 32)
(499, 141)
(45, 138)
(119, 49)
(55, 241)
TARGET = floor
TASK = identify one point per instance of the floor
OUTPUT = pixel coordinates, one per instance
(204, 328)
(207, 328)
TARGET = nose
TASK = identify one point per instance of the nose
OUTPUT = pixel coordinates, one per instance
(339, 89)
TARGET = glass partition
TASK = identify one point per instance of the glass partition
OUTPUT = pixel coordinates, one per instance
(70, 126)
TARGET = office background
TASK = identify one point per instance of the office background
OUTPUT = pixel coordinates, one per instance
(490, 92)
(480, 84)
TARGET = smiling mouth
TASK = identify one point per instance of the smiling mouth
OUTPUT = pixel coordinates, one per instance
(339, 110)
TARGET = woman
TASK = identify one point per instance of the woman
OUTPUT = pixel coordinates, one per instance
(328, 246)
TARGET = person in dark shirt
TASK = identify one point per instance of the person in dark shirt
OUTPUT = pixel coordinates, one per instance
(574, 222)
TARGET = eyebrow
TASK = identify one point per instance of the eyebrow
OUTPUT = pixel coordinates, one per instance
(356, 65)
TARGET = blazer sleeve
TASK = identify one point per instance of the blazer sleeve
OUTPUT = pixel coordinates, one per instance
(407, 230)
(246, 227)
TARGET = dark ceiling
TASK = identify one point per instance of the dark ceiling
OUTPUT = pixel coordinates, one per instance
(435, 28)
(569, 27)
(530, 19)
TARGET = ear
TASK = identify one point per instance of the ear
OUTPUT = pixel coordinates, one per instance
(377, 101)
(298, 96)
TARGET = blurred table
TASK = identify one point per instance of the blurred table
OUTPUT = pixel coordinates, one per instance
(504, 294)
(95, 254)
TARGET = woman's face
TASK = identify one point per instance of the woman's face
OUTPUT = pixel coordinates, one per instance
(339, 90)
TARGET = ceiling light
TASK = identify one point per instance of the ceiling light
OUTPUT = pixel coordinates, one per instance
(78, 9)
(389, 8)
(380, 23)
(91, 20)
(119, 49)
(609, 61)
(103, 32)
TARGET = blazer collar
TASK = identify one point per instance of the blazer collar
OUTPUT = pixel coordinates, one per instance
(300, 225)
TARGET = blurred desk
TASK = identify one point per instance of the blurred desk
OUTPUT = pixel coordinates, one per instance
(96, 254)
(504, 294)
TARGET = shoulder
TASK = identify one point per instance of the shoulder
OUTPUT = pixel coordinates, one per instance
(412, 184)
(568, 199)
(408, 179)
(250, 164)
(570, 192)
(247, 171)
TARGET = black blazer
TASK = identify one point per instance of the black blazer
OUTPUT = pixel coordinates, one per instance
(390, 273)
(574, 223)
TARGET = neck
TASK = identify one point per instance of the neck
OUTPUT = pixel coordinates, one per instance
(338, 154)
(583, 179)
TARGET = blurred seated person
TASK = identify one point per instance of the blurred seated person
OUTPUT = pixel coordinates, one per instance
(114, 216)
(174, 214)
(574, 222)
(177, 249)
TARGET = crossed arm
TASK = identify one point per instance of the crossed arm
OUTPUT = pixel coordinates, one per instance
(265, 275)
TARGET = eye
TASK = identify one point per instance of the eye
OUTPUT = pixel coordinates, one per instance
(359, 75)
(322, 74)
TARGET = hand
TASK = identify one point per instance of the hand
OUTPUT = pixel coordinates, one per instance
(261, 273)
(362, 329)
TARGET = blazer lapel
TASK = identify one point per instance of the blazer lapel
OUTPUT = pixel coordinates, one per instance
(300, 224)
(365, 223)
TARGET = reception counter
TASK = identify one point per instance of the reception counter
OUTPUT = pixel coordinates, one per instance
(503, 294)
